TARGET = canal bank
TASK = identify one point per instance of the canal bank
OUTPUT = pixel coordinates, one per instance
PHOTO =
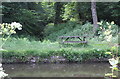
(60, 56)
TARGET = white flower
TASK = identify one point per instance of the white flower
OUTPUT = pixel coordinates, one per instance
(100, 27)
(0, 65)
(107, 32)
(13, 24)
(109, 26)
(108, 38)
(113, 61)
(16, 25)
(112, 22)
(2, 74)
(99, 23)
(107, 23)
(19, 28)
(1, 69)
(0, 33)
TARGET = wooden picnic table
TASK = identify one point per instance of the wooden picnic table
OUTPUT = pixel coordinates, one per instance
(82, 39)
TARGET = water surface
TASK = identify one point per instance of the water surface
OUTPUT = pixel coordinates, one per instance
(57, 70)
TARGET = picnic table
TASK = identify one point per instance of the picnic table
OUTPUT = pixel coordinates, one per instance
(65, 39)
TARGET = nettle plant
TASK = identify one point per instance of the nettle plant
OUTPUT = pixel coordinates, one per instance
(107, 34)
(6, 30)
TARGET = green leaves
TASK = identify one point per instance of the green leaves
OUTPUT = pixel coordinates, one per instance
(106, 30)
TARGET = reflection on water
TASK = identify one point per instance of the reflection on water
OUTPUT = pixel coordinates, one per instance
(57, 70)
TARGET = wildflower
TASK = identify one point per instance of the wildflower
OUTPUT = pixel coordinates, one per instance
(100, 27)
(19, 28)
(107, 23)
(112, 22)
(100, 23)
(11, 31)
(16, 25)
(5, 30)
(108, 53)
(107, 32)
(109, 26)
(0, 33)
(2, 26)
(108, 38)
(113, 62)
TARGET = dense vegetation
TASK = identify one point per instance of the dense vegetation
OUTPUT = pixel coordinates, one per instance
(35, 17)
(44, 22)
(25, 48)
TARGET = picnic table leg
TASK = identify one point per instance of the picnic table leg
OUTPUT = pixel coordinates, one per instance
(79, 38)
(66, 38)
(84, 38)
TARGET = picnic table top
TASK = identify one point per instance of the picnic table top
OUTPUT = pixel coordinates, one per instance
(71, 36)
(75, 42)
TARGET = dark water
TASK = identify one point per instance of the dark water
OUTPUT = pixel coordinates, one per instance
(57, 70)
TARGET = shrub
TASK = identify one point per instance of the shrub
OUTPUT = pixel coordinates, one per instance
(74, 29)
(68, 29)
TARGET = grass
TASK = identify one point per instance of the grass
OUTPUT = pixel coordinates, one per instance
(22, 48)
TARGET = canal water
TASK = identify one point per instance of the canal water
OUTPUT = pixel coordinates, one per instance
(57, 70)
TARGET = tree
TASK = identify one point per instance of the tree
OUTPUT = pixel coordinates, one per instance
(58, 12)
(94, 16)
(83, 12)
(0, 12)
(33, 19)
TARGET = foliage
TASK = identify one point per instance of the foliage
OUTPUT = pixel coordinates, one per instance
(35, 18)
(33, 22)
(49, 10)
(111, 11)
(74, 29)
(0, 10)
(21, 49)
(108, 35)
(53, 33)
(69, 11)
(106, 30)
(6, 30)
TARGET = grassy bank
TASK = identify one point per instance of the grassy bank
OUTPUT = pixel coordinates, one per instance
(23, 50)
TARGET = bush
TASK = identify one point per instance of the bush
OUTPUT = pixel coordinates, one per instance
(68, 29)
(107, 29)
(74, 29)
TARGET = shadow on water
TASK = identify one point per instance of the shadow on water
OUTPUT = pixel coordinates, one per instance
(57, 70)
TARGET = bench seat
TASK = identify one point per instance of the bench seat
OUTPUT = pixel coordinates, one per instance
(74, 42)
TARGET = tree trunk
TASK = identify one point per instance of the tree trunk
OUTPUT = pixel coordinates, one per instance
(0, 12)
(58, 11)
(94, 16)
